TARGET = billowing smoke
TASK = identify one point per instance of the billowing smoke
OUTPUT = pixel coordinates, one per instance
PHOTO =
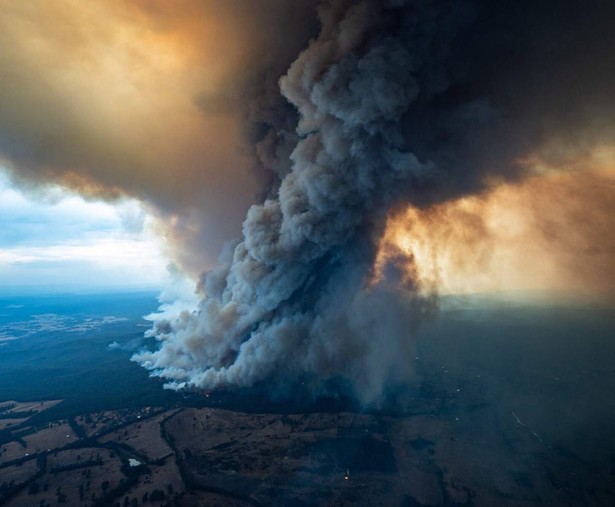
(290, 297)
(391, 103)
(167, 102)
(398, 101)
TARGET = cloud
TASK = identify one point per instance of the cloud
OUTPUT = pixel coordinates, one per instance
(29, 220)
(76, 242)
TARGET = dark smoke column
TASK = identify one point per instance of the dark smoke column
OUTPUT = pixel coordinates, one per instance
(273, 308)
(413, 100)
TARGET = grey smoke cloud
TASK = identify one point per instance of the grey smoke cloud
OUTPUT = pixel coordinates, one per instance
(251, 323)
(391, 102)
(399, 101)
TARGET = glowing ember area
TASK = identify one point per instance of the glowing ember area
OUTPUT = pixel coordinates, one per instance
(552, 231)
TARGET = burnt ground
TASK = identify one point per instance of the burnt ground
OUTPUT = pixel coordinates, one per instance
(511, 405)
(457, 454)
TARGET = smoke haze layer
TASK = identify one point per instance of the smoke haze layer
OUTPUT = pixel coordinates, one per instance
(547, 233)
(391, 104)
(149, 99)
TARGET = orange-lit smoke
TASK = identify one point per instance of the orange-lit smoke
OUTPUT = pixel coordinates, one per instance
(106, 97)
(552, 231)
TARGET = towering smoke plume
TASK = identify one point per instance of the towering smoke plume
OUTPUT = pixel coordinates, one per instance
(290, 298)
(397, 101)
(391, 103)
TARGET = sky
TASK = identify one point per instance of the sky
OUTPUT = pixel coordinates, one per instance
(55, 240)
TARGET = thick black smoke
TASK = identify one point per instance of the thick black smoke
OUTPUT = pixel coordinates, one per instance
(398, 101)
